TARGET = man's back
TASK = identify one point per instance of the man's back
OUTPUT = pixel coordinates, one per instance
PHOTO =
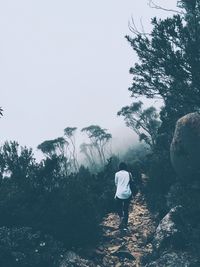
(122, 179)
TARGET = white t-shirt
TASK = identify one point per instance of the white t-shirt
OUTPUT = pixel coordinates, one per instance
(122, 179)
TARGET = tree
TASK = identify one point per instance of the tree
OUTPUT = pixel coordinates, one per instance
(57, 148)
(47, 147)
(168, 69)
(87, 150)
(17, 162)
(99, 138)
(144, 122)
(169, 64)
(69, 133)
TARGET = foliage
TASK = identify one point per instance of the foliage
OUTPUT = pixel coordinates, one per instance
(105, 185)
(1, 111)
(16, 161)
(96, 149)
(39, 196)
(23, 247)
(69, 133)
(168, 68)
(144, 122)
(160, 178)
(52, 147)
(57, 148)
(169, 64)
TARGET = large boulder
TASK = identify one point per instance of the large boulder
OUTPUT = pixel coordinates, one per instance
(170, 248)
(167, 232)
(185, 148)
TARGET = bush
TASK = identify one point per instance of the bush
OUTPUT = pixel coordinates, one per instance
(22, 247)
(160, 178)
(69, 208)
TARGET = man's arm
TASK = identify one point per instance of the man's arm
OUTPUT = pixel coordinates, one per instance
(131, 177)
(116, 180)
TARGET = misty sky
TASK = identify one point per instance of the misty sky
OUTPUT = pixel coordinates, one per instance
(66, 63)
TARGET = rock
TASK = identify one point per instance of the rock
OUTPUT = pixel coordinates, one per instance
(124, 252)
(98, 252)
(71, 259)
(172, 259)
(173, 197)
(166, 230)
(101, 248)
(107, 261)
(114, 249)
(92, 253)
(71, 256)
(185, 147)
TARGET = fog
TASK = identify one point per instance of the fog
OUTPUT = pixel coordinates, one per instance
(66, 63)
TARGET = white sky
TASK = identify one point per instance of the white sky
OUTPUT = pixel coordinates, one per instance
(66, 63)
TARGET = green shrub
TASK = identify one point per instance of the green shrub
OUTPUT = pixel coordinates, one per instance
(23, 247)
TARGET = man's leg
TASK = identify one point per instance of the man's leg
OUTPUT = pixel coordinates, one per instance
(120, 209)
(126, 210)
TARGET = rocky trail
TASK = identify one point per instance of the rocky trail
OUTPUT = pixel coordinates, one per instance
(119, 248)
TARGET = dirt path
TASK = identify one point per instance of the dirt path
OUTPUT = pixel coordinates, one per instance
(122, 249)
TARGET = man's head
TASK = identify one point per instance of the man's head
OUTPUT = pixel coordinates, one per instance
(122, 166)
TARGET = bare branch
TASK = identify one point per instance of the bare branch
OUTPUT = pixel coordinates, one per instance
(154, 5)
(133, 28)
(142, 26)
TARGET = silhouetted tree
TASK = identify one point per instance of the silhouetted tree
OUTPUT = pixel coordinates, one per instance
(17, 162)
(144, 122)
(57, 148)
(99, 138)
(87, 150)
(169, 65)
(69, 133)
(47, 147)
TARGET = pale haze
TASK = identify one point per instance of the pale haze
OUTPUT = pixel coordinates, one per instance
(66, 63)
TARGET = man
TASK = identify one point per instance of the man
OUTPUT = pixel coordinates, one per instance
(123, 194)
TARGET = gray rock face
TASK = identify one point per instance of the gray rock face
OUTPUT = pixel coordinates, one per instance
(185, 147)
(166, 230)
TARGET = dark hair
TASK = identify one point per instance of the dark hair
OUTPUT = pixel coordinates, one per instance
(122, 166)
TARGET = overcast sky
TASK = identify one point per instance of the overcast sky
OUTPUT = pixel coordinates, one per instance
(66, 63)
